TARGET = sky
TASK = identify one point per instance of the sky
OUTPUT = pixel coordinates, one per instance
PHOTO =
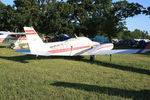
(141, 22)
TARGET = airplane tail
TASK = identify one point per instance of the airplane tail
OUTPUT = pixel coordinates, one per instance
(36, 45)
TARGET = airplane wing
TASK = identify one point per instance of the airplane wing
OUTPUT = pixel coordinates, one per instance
(117, 51)
(25, 51)
(10, 33)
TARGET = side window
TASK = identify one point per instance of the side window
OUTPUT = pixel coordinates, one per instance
(13, 36)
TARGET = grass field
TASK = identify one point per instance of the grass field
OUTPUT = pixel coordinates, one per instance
(22, 77)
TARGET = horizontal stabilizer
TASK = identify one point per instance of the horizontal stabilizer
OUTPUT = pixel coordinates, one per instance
(11, 33)
(25, 51)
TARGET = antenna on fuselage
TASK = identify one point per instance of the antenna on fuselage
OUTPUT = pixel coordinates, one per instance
(75, 36)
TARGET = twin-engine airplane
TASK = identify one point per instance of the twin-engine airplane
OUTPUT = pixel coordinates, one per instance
(12, 37)
(70, 47)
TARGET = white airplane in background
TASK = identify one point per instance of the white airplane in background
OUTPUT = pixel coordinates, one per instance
(12, 37)
(70, 47)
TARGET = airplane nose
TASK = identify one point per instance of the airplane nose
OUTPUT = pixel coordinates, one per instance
(112, 45)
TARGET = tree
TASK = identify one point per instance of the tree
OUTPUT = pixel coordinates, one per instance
(116, 14)
(102, 17)
(136, 34)
(146, 11)
(81, 17)
(27, 13)
(57, 19)
(7, 18)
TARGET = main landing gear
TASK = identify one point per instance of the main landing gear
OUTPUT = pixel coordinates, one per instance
(92, 58)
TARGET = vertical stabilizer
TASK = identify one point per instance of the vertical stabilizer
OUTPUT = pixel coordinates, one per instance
(35, 43)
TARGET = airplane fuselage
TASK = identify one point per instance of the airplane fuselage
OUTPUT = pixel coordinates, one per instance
(76, 46)
(70, 47)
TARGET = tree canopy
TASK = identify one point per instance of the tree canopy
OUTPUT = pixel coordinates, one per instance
(81, 17)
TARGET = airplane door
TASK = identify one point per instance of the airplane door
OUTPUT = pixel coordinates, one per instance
(74, 45)
(67, 48)
(70, 45)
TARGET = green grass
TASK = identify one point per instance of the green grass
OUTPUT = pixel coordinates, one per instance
(23, 77)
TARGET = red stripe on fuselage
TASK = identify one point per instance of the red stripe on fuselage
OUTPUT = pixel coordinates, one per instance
(29, 31)
(76, 48)
(68, 49)
(2, 39)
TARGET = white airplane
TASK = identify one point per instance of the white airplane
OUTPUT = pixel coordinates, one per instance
(12, 37)
(70, 47)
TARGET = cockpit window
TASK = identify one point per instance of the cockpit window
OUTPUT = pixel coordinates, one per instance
(57, 38)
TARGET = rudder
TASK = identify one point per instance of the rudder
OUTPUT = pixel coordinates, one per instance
(36, 45)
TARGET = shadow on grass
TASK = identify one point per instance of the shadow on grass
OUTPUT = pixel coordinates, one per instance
(147, 53)
(24, 58)
(110, 65)
(3, 46)
(116, 66)
(135, 95)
